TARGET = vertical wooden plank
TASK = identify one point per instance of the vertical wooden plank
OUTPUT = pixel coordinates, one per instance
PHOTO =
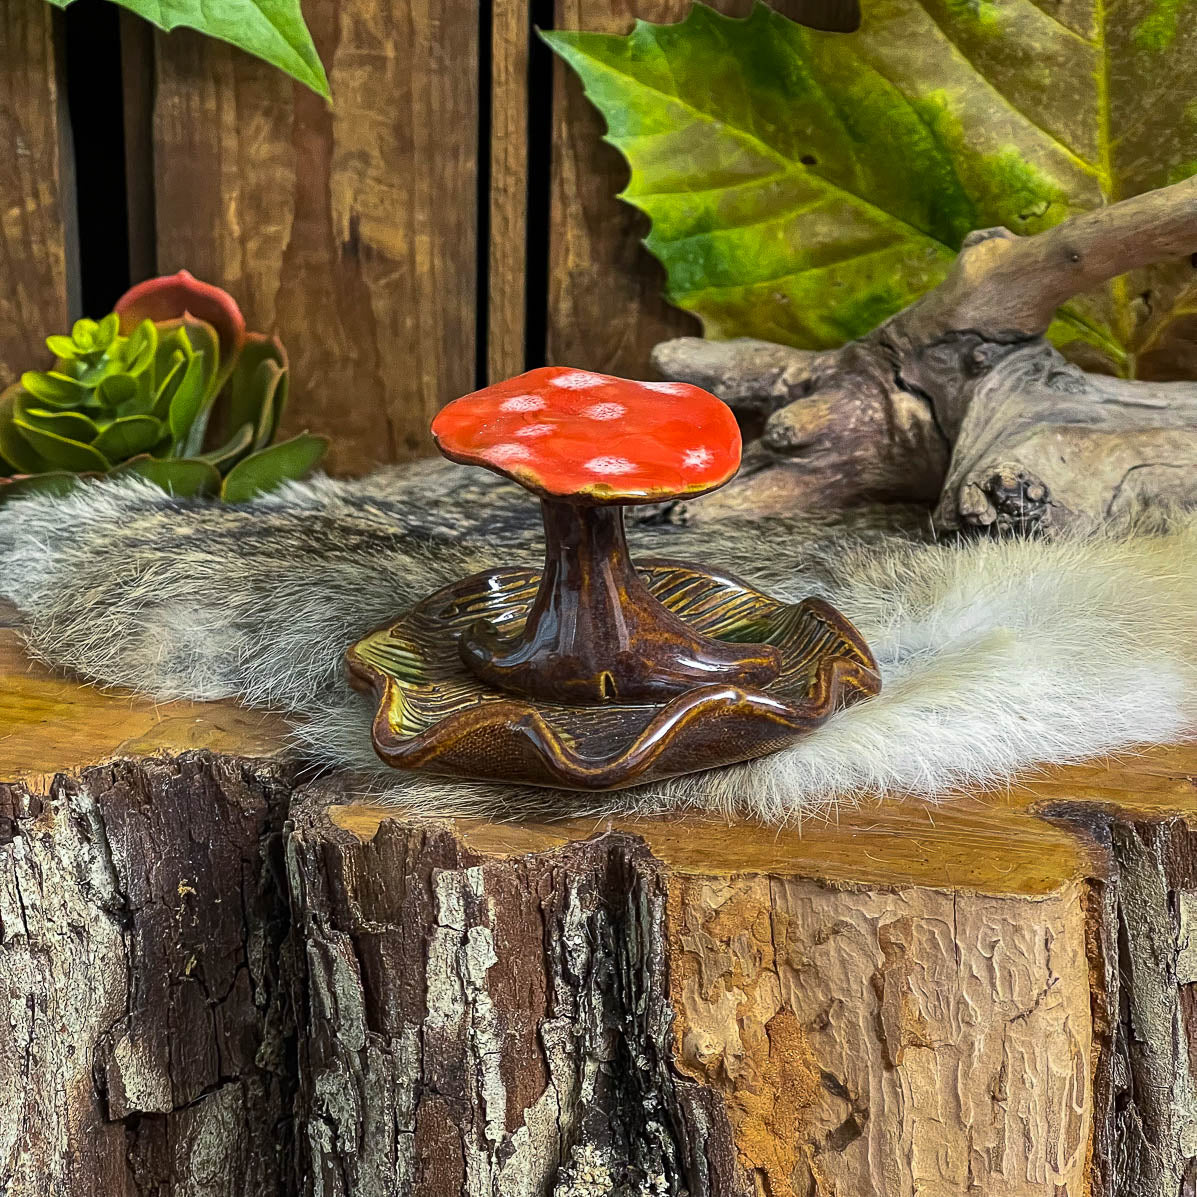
(510, 31)
(606, 303)
(38, 248)
(351, 230)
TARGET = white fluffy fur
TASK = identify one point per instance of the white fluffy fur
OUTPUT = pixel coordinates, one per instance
(996, 655)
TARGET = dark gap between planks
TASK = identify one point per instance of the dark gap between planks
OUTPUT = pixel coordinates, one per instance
(95, 106)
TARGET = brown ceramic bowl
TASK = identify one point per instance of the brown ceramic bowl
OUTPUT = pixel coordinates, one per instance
(436, 714)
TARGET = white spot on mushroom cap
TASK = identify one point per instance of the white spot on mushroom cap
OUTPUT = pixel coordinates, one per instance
(605, 411)
(577, 380)
(609, 465)
(531, 430)
(523, 403)
(665, 388)
(508, 452)
(697, 458)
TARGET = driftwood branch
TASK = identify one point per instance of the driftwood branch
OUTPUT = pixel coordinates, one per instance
(959, 399)
(1004, 285)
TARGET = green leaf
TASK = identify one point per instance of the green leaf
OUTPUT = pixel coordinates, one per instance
(91, 369)
(187, 401)
(270, 382)
(117, 390)
(172, 342)
(72, 425)
(204, 341)
(258, 396)
(84, 334)
(172, 374)
(58, 390)
(183, 477)
(236, 447)
(107, 330)
(14, 448)
(128, 436)
(273, 30)
(804, 186)
(262, 472)
(59, 451)
(57, 483)
(140, 348)
(63, 348)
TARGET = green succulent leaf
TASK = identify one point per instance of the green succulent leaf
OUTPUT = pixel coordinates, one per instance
(117, 390)
(14, 448)
(199, 342)
(60, 452)
(264, 471)
(106, 331)
(72, 425)
(183, 477)
(804, 186)
(240, 443)
(258, 396)
(272, 30)
(57, 483)
(54, 388)
(204, 340)
(63, 348)
(128, 436)
(84, 334)
(90, 370)
(187, 401)
(172, 341)
(172, 371)
(271, 383)
(140, 347)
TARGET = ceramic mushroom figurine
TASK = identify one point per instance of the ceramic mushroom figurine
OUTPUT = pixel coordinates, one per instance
(588, 672)
(590, 445)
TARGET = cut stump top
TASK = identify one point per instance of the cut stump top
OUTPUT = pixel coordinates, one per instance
(1030, 839)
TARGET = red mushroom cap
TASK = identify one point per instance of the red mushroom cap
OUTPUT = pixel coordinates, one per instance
(591, 437)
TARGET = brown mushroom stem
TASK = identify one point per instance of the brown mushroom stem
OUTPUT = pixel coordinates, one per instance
(595, 632)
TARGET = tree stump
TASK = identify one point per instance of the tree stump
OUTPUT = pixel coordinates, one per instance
(221, 978)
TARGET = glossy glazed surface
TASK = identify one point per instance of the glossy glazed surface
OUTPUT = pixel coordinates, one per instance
(596, 634)
(436, 714)
(573, 433)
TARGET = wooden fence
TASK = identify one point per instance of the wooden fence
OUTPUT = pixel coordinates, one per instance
(451, 218)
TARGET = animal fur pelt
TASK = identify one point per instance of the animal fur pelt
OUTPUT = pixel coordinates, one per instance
(996, 655)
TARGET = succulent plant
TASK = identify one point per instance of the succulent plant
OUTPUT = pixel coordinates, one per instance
(141, 391)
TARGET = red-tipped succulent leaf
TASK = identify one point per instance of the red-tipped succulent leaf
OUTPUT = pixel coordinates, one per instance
(573, 434)
(174, 295)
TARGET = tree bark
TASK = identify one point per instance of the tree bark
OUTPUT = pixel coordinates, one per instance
(143, 1034)
(218, 980)
(220, 983)
(960, 401)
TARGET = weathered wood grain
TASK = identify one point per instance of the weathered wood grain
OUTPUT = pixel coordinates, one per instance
(606, 303)
(521, 1042)
(51, 724)
(507, 278)
(351, 230)
(908, 1041)
(38, 254)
